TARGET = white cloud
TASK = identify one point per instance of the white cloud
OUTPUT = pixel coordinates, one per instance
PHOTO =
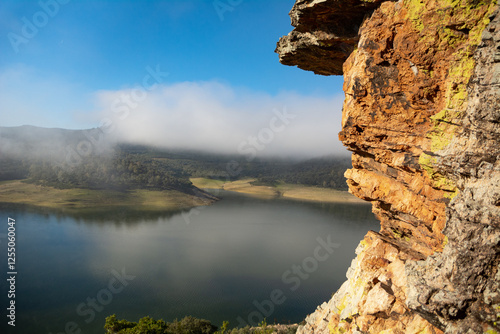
(209, 116)
(216, 117)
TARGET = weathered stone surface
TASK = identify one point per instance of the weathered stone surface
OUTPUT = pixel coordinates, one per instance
(459, 288)
(378, 299)
(325, 34)
(373, 297)
(422, 118)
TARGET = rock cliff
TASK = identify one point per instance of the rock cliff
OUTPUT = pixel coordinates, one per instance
(422, 118)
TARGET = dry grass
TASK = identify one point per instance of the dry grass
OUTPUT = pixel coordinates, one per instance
(26, 193)
(244, 186)
(204, 183)
(241, 186)
(292, 191)
(317, 194)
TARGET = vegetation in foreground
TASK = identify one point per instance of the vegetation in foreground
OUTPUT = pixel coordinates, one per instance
(188, 325)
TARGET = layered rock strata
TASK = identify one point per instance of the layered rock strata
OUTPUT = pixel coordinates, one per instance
(422, 118)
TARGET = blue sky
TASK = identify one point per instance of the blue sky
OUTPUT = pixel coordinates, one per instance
(60, 57)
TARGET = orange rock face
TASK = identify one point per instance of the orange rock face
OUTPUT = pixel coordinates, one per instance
(397, 79)
(411, 119)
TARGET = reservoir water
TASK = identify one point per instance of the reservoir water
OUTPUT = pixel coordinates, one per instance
(239, 260)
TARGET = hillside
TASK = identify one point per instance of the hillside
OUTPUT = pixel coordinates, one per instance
(86, 159)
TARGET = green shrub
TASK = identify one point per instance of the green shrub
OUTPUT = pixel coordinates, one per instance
(148, 325)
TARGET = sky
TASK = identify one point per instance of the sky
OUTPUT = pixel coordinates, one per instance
(198, 74)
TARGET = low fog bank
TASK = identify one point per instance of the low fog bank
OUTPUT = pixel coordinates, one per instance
(92, 159)
(217, 118)
(57, 146)
(200, 117)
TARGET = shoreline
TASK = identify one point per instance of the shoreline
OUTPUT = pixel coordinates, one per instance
(79, 199)
(287, 191)
(76, 199)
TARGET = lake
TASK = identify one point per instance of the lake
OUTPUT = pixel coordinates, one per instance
(240, 260)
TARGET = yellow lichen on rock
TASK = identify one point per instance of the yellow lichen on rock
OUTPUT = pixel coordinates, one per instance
(421, 118)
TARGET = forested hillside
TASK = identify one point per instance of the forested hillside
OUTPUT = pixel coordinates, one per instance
(43, 158)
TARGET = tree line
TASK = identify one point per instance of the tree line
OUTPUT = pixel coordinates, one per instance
(130, 167)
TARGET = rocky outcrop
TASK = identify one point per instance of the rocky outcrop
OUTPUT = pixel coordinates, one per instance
(422, 118)
(325, 34)
(459, 288)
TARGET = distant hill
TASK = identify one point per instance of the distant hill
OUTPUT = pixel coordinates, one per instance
(50, 143)
(325, 171)
(22, 146)
(88, 159)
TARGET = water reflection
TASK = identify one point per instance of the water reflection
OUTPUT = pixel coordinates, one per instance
(221, 263)
(125, 215)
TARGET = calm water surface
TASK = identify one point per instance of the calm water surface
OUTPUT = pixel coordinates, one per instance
(238, 260)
